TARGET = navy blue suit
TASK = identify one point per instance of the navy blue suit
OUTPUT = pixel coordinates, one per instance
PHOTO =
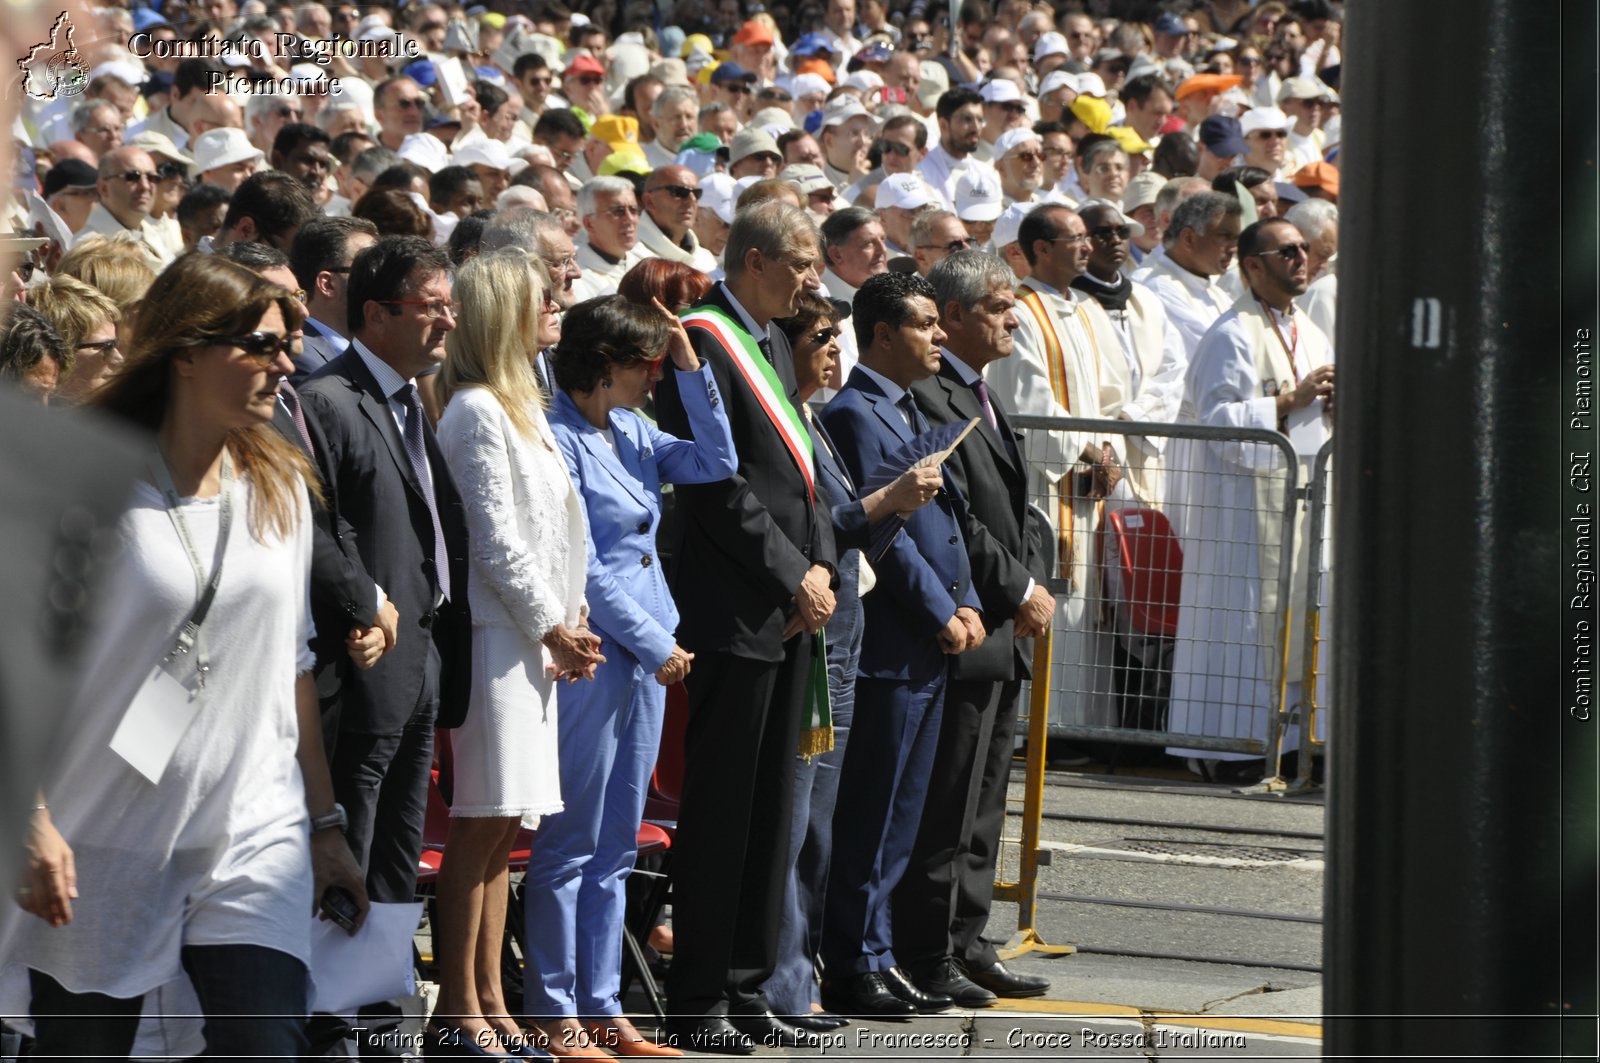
(923, 578)
(610, 729)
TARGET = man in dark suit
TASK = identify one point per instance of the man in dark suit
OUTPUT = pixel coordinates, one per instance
(942, 904)
(754, 580)
(321, 256)
(393, 492)
(923, 609)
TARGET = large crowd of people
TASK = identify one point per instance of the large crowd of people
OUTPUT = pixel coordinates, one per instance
(509, 366)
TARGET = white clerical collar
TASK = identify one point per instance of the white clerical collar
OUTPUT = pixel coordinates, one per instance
(968, 375)
(745, 319)
(889, 387)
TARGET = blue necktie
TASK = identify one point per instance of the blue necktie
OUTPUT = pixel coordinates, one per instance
(419, 464)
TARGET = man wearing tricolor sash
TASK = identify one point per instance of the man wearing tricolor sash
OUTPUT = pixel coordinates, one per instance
(1068, 362)
(1263, 365)
(753, 583)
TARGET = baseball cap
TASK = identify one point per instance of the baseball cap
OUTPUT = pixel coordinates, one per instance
(1221, 136)
(904, 190)
(1322, 175)
(806, 177)
(1259, 118)
(583, 63)
(1012, 139)
(69, 173)
(978, 196)
(1122, 219)
(224, 147)
(1006, 226)
(1049, 44)
(423, 72)
(935, 82)
(672, 71)
(1092, 85)
(1212, 83)
(1129, 140)
(729, 72)
(841, 109)
(878, 51)
(1092, 112)
(752, 140)
(865, 80)
(718, 194)
(1142, 190)
(1000, 90)
(628, 158)
(1303, 88)
(1170, 25)
(1057, 79)
(491, 153)
(753, 32)
(807, 85)
(811, 44)
(616, 129)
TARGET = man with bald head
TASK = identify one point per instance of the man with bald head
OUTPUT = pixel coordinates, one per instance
(671, 200)
(127, 190)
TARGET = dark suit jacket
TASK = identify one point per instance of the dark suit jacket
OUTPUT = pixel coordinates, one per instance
(986, 472)
(316, 351)
(747, 541)
(924, 576)
(378, 500)
(342, 593)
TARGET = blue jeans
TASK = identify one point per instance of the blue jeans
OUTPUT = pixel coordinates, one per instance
(253, 997)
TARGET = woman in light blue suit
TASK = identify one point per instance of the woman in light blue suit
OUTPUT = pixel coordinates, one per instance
(610, 353)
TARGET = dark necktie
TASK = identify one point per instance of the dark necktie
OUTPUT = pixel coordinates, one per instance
(766, 349)
(982, 391)
(291, 402)
(419, 465)
(538, 371)
(918, 423)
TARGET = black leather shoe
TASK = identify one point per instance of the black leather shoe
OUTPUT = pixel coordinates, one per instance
(1002, 983)
(864, 994)
(709, 1033)
(816, 1021)
(901, 985)
(946, 978)
(766, 1029)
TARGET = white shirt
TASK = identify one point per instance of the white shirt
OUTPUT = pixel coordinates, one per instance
(891, 389)
(1193, 303)
(389, 381)
(756, 331)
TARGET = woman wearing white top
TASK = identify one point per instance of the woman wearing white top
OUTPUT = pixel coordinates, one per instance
(528, 550)
(208, 871)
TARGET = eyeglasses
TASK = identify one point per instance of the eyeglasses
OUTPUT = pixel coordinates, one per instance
(822, 336)
(590, 80)
(564, 213)
(263, 345)
(169, 170)
(284, 111)
(539, 82)
(1288, 252)
(738, 88)
(953, 246)
(1014, 108)
(560, 267)
(620, 213)
(679, 191)
(894, 147)
(775, 96)
(1027, 156)
(1247, 60)
(407, 103)
(133, 177)
(433, 309)
(102, 346)
(1270, 134)
(1109, 233)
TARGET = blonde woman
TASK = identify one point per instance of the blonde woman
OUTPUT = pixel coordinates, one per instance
(115, 266)
(201, 860)
(528, 552)
(87, 320)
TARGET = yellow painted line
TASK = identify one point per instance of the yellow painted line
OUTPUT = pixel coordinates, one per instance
(1279, 1027)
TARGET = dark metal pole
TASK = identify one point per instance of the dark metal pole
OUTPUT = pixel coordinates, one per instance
(1462, 791)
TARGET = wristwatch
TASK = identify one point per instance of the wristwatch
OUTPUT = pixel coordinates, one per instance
(337, 818)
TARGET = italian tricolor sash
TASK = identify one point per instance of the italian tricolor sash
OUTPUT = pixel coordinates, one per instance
(763, 382)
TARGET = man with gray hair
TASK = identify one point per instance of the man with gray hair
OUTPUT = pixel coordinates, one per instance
(609, 247)
(1318, 222)
(936, 233)
(941, 906)
(1200, 243)
(98, 126)
(1171, 194)
(539, 233)
(754, 584)
(854, 248)
(675, 113)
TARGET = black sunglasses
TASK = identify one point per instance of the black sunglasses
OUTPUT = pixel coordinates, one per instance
(680, 191)
(263, 345)
(894, 147)
(168, 170)
(1108, 233)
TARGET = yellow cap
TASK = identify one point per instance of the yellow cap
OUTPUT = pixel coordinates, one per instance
(616, 129)
(628, 159)
(1092, 112)
(1131, 141)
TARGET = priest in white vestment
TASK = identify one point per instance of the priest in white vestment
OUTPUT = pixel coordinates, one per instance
(1067, 362)
(1262, 366)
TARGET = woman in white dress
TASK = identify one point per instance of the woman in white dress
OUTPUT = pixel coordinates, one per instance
(200, 860)
(528, 550)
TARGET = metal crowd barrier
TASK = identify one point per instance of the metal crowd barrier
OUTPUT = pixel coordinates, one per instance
(1173, 625)
(1311, 713)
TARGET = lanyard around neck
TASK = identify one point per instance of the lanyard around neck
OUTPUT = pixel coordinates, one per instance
(189, 636)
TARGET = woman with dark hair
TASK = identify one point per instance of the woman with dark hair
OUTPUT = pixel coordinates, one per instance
(676, 285)
(813, 333)
(610, 353)
(394, 212)
(152, 858)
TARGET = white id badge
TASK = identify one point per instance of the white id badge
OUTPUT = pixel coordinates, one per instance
(155, 723)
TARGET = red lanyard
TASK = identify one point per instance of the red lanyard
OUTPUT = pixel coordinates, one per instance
(1293, 341)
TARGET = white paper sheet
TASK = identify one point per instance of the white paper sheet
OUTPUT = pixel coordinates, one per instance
(374, 965)
(155, 723)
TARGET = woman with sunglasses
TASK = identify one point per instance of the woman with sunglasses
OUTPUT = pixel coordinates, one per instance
(204, 855)
(611, 352)
(813, 333)
(87, 320)
(526, 587)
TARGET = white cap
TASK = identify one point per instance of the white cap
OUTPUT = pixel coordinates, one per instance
(718, 194)
(808, 84)
(1006, 226)
(1259, 118)
(865, 80)
(491, 153)
(905, 190)
(806, 177)
(841, 109)
(426, 150)
(120, 69)
(1136, 228)
(1000, 90)
(1057, 79)
(160, 144)
(978, 196)
(1142, 66)
(1049, 44)
(1091, 85)
(1012, 139)
(1142, 190)
(223, 147)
